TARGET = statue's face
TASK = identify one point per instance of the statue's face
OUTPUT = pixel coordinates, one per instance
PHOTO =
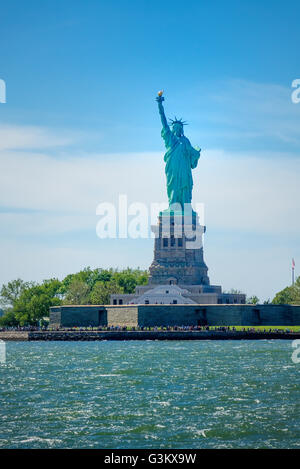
(177, 129)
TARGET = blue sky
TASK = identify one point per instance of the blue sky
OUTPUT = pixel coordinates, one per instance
(80, 126)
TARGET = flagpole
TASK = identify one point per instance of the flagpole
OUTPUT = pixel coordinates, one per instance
(293, 271)
(293, 275)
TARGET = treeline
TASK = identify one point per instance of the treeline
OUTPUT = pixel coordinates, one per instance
(27, 303)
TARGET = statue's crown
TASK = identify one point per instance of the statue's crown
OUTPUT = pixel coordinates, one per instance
(177, 121)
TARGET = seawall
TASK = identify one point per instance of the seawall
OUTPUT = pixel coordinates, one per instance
(155, 335)
(14, 335)
(22, 336)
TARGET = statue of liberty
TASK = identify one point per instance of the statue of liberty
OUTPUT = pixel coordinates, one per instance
(180, 159)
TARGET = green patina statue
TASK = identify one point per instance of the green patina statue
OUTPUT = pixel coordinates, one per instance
(180, 159)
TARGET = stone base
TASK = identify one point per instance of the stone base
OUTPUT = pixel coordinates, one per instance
(178, 251)
(178, 273)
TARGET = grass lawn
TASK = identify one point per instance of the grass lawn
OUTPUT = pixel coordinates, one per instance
(261, 328)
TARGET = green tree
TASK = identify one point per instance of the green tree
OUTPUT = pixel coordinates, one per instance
(9, 318)
(289, 295)
(81, 276)
(128, 279)
(78, 293)
(87, 276)
(253, 300)
(35, 301)
(101, 292)
(11, 292)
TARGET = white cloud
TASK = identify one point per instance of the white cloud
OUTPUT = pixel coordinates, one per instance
(249, 192)
(40, 182)
(22, 137)
(241, 191)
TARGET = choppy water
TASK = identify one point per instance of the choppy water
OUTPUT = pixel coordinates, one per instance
(205, 394)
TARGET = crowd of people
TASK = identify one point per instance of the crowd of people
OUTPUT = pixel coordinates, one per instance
(23, 328)
(149, 328)
(173, 328)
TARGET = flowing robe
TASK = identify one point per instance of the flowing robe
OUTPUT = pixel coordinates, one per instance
(180, 159)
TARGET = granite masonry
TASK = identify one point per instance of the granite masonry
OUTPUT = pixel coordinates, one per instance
(178, 273)
(174, 315)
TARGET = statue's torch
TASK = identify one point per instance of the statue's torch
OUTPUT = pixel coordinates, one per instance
(160, 97)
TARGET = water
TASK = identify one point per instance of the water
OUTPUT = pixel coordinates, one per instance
(206, 394)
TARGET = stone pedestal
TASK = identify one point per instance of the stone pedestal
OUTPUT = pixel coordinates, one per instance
(178, 261)
(178, 251)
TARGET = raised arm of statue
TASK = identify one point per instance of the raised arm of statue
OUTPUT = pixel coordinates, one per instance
(163, 118)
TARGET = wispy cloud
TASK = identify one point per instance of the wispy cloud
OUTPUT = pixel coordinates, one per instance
(243, 191)
(33, 137)
(241, 110)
